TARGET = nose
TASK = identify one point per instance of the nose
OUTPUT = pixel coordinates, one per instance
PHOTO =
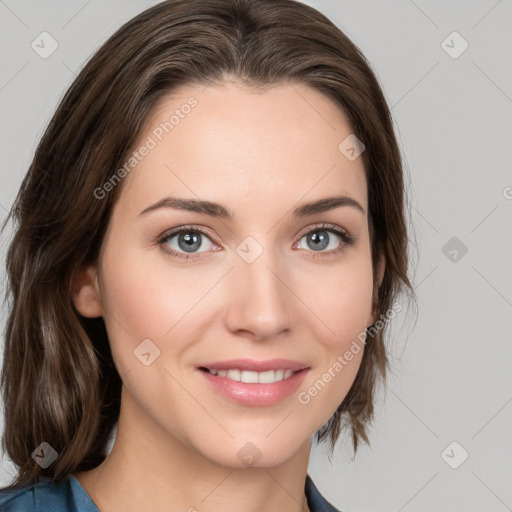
(260, 300)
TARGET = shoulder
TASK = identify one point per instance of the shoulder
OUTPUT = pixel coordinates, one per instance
(316, 502)
(17, 499)
(45, 496)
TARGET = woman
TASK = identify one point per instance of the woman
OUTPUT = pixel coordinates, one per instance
(210, 241)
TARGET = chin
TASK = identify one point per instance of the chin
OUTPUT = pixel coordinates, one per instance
(257, 453)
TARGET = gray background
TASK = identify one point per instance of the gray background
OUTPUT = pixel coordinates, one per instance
(451, 378)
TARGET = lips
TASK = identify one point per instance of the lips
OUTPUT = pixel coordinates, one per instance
(252, 393)
(254, 366)
(267, 391)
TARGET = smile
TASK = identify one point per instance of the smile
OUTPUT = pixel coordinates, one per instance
(250, 377)
(250, 388)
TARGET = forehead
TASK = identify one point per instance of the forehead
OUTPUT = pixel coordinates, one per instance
(278, 145)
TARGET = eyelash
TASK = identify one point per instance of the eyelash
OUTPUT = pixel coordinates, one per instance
(347, 239)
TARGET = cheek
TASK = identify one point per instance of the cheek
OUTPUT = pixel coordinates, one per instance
(146, 307)
(137, 303)
(146, 297)
(341, 298)
(344, 308)
(143, 293)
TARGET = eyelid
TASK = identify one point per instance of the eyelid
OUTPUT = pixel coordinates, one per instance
(185, 227)
(327, 227)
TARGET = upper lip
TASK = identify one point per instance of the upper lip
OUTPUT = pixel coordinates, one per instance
(255, 366)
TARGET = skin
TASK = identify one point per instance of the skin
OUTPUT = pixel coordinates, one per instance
(260, 155)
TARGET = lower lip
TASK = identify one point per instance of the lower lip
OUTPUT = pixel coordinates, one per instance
(255, 394)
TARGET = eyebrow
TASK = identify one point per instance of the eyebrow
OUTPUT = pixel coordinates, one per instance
(217, 210)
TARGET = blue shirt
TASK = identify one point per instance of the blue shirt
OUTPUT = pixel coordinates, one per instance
(70, 496)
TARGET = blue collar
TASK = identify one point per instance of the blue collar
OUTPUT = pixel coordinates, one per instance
(70, 496)
(316, 502)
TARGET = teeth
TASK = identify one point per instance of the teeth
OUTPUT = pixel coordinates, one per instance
(254, 377)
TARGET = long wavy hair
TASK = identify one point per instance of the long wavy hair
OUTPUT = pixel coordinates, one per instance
(59, 384)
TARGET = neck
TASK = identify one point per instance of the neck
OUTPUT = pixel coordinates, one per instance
(148, 469)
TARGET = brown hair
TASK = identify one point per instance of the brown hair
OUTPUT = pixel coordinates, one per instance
(58, 381)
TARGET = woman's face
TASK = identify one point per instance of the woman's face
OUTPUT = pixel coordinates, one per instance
(255, 284)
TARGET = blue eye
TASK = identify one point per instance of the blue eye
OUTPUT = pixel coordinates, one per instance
(189, 239)
(318, 238)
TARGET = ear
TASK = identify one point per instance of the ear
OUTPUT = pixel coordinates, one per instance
(86, 292)
(381, 267)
